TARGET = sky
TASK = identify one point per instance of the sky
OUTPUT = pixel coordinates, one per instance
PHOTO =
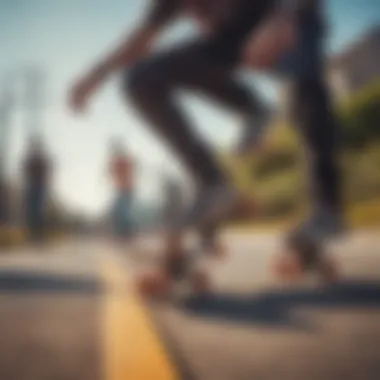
(66, 37)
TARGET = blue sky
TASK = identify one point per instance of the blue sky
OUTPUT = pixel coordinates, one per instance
(66, 36)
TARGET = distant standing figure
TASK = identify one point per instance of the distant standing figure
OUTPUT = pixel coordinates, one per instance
(122, 173)
(37, 170)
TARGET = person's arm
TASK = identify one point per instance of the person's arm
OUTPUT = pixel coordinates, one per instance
(134, 46)
(139, 42)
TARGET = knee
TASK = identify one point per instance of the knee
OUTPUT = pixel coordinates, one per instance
(141, 81)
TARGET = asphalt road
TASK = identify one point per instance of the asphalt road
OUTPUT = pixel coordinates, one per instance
(49, 301)
(52, 319)
(255, 328)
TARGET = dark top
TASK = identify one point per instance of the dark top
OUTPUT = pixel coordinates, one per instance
(36, 170)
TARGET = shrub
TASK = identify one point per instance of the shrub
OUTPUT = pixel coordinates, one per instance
(360, 117)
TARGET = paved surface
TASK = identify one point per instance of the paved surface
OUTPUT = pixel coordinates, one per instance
(48, 300)
(255, 329)
(58, 321)
(69, 313)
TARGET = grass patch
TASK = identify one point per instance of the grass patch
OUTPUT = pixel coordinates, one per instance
(12, 237)
(366, 214)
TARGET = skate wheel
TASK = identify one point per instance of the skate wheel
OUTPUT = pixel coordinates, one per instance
(219, 251)
(329, 271)
(288, 267)
(246, 209)
(153, 284)
(201, 282)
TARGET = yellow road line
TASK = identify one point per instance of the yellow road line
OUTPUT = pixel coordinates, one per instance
(133, 348)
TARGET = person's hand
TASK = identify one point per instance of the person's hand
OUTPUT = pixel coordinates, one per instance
(269, 42)
(83, 89)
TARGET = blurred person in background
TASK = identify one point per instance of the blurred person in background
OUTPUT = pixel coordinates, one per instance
(37, 180)
(284, 36)
(122, 174)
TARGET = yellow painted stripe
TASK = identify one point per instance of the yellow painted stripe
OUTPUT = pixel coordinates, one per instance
(133, 348)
